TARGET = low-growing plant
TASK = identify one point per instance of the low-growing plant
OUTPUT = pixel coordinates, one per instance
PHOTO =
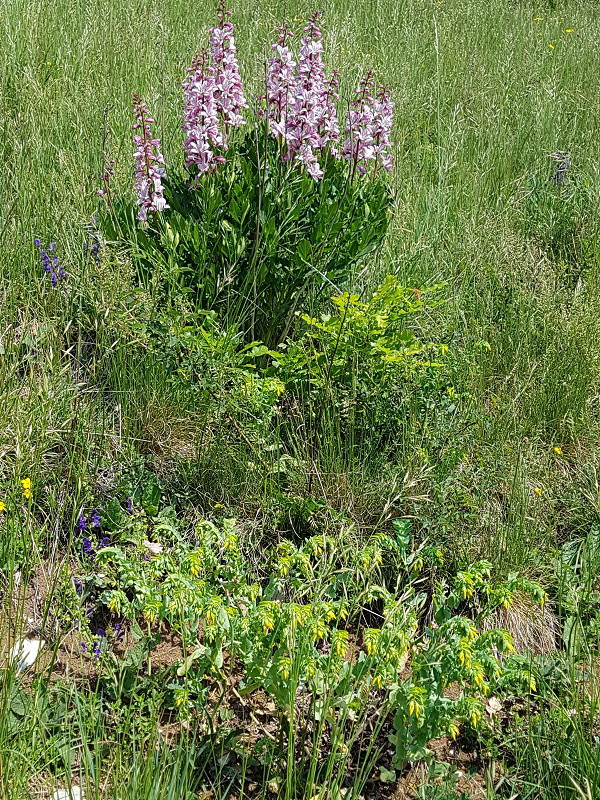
(327, 633)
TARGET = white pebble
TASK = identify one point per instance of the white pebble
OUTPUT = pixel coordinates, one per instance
(26, 652)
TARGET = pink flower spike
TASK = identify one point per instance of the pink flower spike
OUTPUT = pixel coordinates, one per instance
(229, 92)
(150, 169)
(280, 83)
(200, 117)
(383, 118)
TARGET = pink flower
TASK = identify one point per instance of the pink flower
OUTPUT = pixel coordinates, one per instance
(383, 118)
(359, 146)
(200, 117)
(369, 128)
(229, 92)
(300, 101)
(150, 169)
(281, 82)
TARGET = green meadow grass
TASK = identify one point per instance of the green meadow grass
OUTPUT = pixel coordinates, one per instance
(485, 93)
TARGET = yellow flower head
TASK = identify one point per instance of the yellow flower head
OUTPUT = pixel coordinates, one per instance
(538, 491)
(569, 30)
(558, 451)
(2, 507)
(25, 483)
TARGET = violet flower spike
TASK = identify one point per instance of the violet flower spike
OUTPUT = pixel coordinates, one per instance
(50, 262)
(150, 164)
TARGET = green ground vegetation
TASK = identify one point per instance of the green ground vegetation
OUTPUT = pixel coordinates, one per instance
(351, 547)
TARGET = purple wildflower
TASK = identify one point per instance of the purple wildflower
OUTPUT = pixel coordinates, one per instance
(83, 647)
(129, 507)
(104, 542)
(81, 522)
(301, 103)
(200, 117)
(100, 637)
(95, 521)
(150, 169)
(50, 262)
(119, 631)
(309, 101)
(88, 548)
(78, 585)
(229, 92)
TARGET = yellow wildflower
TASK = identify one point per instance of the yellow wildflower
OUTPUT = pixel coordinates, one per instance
(2, 507)
(538, 491)
(558, 451)
(569, 30)
(551, 46)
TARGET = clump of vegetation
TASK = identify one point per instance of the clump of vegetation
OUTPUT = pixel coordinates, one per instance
(299, 421)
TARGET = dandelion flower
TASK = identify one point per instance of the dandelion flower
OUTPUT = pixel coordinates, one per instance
(558, 451)
(538, 491)
(2, 507)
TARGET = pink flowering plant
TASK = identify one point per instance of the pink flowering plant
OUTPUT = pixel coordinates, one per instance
(272, 205)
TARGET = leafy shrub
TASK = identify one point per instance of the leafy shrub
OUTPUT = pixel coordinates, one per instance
(254, 224)
(257, 239)
(358, 370)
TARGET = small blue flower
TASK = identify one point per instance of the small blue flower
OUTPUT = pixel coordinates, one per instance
(119, 631)
(95, 521)
(87, 547)
(51, 266)
(81, 522)
(83, 647)
(104, 542)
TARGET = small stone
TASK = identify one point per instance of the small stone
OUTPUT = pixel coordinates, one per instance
(26, 652)
(75, 793)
